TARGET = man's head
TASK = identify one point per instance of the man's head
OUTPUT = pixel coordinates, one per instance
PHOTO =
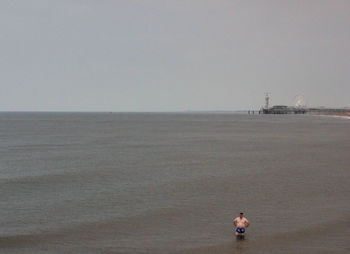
(241, 215)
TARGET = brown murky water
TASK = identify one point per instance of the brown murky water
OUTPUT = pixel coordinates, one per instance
(172, 183)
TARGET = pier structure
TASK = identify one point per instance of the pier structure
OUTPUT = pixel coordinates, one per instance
(324, 110)
(299, 108)
(282, 109)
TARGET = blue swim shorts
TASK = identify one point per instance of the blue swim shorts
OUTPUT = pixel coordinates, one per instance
(240, 230)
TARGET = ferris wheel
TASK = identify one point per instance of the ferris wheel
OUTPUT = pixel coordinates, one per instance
(299, 101)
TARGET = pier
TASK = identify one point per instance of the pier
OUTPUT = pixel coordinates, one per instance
(299, 108)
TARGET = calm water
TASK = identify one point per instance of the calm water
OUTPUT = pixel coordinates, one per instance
(172, 183)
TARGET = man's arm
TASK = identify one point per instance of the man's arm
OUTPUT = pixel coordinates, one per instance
(235, 222)
(247, 223)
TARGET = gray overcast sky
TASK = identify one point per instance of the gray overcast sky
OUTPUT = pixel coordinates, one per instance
(172, 55)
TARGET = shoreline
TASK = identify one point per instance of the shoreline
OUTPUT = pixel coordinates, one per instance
(335, 115)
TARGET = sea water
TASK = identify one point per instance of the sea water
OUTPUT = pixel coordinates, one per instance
(173, 182)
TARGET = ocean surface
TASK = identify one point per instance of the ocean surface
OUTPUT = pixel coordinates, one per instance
(172, 183)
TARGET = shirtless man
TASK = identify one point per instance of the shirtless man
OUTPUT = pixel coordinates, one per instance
(240, 224)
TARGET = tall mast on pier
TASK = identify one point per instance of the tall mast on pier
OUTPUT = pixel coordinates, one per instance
(267, 98)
